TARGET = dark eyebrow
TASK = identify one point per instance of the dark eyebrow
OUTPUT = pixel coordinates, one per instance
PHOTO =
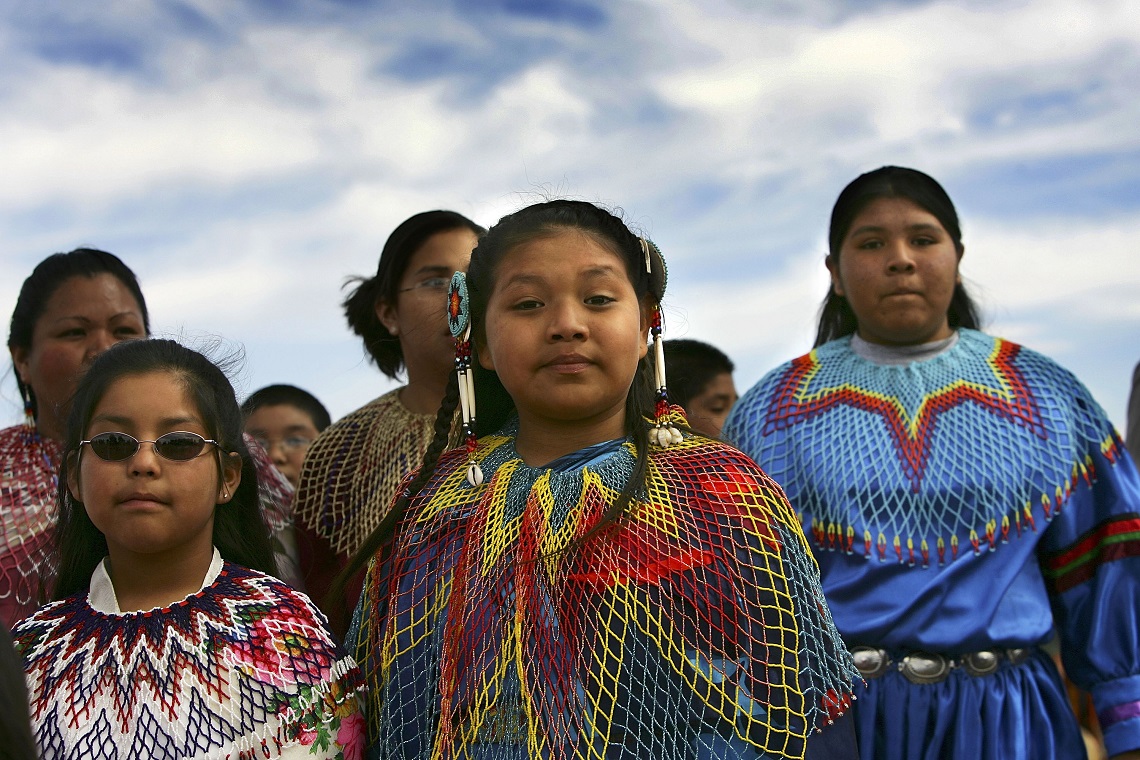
(524, 279)
(922, 227)
(601, 271)
(439, 269)
(164, 422)
(86, 321)
(592, 272)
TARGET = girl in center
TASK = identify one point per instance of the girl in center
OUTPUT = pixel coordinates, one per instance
(168, 637)
(586, 578)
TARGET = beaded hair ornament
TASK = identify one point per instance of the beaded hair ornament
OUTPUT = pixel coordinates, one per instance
(459, 322)
(664, 433)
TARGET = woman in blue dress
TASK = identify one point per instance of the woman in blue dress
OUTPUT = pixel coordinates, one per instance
(965, 497)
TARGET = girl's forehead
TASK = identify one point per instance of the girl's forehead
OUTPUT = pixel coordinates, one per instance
(156, 394)
(894, 207)
(562, 250)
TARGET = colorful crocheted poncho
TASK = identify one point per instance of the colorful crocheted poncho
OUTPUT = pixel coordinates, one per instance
(243, 669)
(692, 626)
(972, 501)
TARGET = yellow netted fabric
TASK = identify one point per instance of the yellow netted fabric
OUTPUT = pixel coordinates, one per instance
(692, 626)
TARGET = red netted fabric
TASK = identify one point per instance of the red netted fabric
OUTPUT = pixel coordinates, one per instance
(500, 626)
(28, 467)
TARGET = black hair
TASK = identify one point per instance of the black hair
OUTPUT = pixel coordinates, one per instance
(288, 395)
(240, 533)
(836, 319)
(42, 284)
(495, 406)
(402, 244)
(691, 365)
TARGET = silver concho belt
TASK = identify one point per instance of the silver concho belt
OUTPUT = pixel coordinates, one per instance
(928, 667)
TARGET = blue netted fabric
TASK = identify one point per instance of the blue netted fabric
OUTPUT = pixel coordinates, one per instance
(243, 669)
(692, 627)
(969, 501)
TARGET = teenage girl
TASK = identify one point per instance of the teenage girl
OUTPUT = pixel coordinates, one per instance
(966, 498)
(168, 638)
(582, 581)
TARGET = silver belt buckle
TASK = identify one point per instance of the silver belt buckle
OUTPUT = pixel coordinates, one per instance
(870, 662)
(1019, 655)
(981, 663)
(925, 667)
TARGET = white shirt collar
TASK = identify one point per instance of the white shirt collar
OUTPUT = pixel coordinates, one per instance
(101, 595)
(877, 353)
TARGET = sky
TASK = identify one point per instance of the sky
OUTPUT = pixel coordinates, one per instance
(247, 158)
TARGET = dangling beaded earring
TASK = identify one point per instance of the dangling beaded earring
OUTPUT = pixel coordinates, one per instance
(459, 322)
(664, 433)
(29, 415)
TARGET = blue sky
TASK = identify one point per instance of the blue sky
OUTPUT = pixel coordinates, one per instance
(246, 158)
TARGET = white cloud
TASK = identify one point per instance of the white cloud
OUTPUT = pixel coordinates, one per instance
(319, 150)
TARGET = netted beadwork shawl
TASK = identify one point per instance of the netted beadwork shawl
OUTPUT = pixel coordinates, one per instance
(243, 669)
(694, 626)
(353, 469)
(918, 463)
(28, 467)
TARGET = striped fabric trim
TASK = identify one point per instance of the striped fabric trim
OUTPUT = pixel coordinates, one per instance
(1118, 713)
(1111, 540)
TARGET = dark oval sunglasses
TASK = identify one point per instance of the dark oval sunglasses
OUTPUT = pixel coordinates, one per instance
(179, 446)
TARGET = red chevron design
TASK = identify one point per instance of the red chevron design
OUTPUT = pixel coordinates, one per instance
(1011, 398)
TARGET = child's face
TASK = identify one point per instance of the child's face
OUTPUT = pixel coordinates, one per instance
(285, 432)
(564, 331)
(145, 504)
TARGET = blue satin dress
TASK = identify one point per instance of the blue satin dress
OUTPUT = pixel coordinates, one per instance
(973, 501)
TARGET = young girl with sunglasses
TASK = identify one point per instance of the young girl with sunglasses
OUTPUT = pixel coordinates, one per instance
(583, 580)
(168, 638)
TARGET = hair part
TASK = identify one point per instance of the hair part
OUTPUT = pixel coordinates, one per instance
(495, 405)
(48, 276)
(240, 533)
(360, 305)
(288, 395)
(836, 319)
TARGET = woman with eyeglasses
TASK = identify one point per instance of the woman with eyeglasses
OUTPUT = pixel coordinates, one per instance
(352, 471)
(70, 309)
